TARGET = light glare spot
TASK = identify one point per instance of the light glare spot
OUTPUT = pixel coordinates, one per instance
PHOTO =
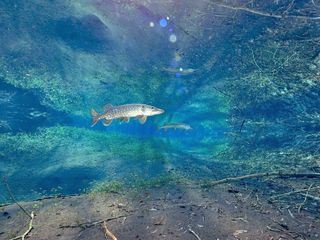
(173, 38)
(163, 22)
(151, 24)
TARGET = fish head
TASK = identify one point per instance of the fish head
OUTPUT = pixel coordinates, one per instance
(148, 110)
(188, 127)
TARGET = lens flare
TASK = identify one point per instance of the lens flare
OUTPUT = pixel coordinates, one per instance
(173, 38)
(163, 22)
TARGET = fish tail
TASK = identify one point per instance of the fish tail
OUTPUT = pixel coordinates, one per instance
(95, 117)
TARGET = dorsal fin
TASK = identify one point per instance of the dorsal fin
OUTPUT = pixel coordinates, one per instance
(107, 107)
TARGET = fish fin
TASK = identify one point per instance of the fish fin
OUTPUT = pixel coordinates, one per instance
(107, 122)
(107, 107)
(95, 117)
(142, 119)
(125, 119)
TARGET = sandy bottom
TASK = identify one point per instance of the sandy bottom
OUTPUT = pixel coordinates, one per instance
(176, 212)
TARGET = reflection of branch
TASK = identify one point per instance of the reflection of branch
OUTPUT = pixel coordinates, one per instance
(14, 200)
(266, 14)
(220, 91)
(30, 215)
(254, 60)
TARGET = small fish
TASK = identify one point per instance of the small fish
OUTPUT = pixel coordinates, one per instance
(124, 113)
(181, 71)
(175, 126)
(37, 114)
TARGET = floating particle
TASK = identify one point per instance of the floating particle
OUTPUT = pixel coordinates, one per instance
(163, 22)
(177, 57)
(180, 69)
(173, 38)
(151, 24)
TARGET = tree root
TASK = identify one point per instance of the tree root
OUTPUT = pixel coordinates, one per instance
(107, 232)
(28, 230)
(258, 175)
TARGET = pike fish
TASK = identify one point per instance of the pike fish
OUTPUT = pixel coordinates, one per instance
(181, 71)
(175, 126)
(124, 113)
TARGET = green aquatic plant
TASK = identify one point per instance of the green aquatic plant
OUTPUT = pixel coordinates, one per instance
(114, 186)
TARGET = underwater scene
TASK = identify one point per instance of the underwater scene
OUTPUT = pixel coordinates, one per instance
(171, 119)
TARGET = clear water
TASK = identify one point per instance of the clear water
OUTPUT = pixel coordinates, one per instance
(247, 84)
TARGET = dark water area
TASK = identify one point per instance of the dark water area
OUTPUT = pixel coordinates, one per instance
(244, 76)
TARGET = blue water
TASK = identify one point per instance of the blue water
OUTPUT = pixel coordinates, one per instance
(247, 84)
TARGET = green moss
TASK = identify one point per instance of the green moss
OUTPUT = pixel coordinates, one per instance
(107, 187)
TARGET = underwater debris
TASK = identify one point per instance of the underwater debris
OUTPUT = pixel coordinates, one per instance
(124, 113)
(175, 126)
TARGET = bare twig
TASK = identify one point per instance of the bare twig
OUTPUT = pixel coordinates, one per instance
(311, 197)
(27, 231)
(292, 192)
(194, 233)
(290, 213)
(305, 199)
(107, 232)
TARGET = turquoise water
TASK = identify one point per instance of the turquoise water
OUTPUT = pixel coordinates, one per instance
(244, 76)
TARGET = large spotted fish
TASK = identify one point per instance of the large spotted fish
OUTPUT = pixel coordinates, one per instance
(124, 113)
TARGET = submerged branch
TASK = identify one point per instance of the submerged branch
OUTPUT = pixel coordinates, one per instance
(259, 175)
(91, 224)
(292, 192)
